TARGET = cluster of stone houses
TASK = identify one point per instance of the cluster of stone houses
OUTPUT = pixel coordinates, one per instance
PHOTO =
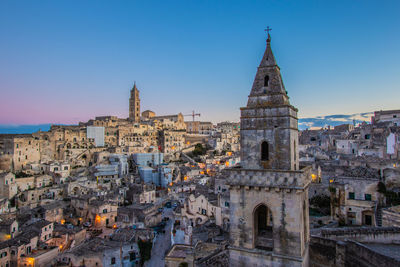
(351, 163)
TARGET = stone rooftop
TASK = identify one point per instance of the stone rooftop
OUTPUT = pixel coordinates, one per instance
(179, 251)
(62, 228)
(39, 224)
(390, 250)
(129, 234)
(6, 222)
(361, 172)
(94, 246)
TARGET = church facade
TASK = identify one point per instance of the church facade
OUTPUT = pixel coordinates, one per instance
(269, 221)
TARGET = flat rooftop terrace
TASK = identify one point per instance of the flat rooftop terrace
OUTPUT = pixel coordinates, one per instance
(390, 250)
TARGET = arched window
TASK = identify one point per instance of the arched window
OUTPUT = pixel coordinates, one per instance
(263, 223)
(264, 151)
(266, 80)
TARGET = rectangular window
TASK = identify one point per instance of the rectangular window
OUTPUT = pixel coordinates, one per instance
(367, 197)
(351, 195)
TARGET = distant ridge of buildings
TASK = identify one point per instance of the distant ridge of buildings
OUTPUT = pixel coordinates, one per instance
(304, 123)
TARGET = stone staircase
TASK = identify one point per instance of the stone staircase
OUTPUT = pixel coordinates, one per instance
(378, 215)
(192, 161)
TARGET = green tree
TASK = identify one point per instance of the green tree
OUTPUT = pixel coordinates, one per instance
(145, 250)
(322, 203)
(381, 188)
(199, 150)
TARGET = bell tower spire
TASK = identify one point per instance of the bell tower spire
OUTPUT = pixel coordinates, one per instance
(269, 121)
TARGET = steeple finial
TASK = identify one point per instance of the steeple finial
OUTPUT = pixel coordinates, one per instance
(267, 30)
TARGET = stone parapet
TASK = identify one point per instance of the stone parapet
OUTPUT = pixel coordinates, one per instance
(363, 234)
(390, 217)
(361, 203)
(269, 178)
(273, 111)
(256, 257)
(353, 231)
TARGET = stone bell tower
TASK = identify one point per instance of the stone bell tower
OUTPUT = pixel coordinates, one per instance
(134, 105)
(269, 222)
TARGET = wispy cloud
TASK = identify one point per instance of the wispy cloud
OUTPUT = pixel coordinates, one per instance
(334, 120)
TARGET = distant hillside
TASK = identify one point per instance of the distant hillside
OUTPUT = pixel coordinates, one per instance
(334, 120)
(19, 129)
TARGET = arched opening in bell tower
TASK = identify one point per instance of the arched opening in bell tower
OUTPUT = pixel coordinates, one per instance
(264, 151)
(263, 234)
(266, 80)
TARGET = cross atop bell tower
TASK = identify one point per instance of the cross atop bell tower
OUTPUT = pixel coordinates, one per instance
(267, 30)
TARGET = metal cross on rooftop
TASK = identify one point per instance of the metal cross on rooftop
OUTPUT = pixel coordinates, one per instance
(267, 30)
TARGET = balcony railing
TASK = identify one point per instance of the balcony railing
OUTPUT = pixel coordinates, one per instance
(264, 240)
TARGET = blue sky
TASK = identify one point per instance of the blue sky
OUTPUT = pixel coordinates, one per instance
(68, 61)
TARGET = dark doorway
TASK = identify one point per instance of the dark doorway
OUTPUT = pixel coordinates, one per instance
(368, 220)
(263, 222)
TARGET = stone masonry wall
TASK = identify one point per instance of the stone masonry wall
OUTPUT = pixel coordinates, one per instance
(286, 196)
